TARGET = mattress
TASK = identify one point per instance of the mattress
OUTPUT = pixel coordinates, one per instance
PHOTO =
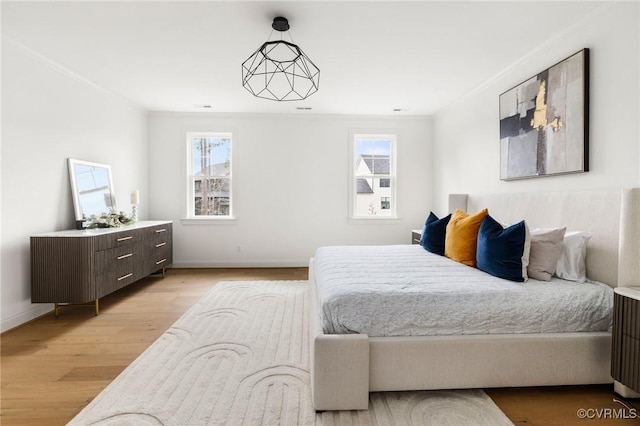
(404, 290)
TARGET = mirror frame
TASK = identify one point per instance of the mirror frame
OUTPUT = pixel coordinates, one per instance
(74, 187)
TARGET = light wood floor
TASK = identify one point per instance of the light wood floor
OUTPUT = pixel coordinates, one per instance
(52, 367)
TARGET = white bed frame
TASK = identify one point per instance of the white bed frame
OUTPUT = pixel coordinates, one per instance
(345, 368)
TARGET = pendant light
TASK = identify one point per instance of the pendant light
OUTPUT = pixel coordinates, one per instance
(279, 70)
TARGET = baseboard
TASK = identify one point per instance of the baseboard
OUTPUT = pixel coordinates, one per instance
(26, 316)
(269, 263)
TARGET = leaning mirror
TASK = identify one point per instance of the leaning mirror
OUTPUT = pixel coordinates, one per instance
(91, 188)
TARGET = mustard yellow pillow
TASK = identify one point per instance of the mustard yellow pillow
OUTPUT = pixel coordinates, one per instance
(462, 236)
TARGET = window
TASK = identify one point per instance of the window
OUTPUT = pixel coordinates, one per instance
(373, 177)
(385, 203)
(210, 178)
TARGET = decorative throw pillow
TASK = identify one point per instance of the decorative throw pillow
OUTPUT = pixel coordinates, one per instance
(503, 252)
(461, 237)
(546, 247)
(572, 264)
(433, 233)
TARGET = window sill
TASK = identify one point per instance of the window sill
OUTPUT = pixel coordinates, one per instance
(392, 220)
(210, 221)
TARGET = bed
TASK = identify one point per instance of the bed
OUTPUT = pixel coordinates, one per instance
(346, 367)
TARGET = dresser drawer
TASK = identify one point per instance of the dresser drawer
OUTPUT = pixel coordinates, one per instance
(113, 280)
(115, 259)
(157, 236)
(156, 245)
(157, 259)
(119, 239)
(159, 262)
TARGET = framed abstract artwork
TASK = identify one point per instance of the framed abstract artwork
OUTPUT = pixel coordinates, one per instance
(544, 122)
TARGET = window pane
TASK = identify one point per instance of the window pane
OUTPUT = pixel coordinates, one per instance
(372, 198)
(211, 196)
(215, 206)
(211, 156)
(372, 156)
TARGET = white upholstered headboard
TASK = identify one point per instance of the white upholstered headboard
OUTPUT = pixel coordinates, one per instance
(613, 216)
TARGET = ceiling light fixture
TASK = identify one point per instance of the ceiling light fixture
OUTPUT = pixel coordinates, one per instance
(280, 70)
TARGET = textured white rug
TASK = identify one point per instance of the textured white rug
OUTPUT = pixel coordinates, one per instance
(240, 356)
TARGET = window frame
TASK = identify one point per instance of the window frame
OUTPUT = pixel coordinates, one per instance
(392, 214)
(189, 216)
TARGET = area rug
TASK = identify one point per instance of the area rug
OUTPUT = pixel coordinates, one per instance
(240, 356)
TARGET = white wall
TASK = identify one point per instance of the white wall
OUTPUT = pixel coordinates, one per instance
(291, 183)
(466, 151)
(48, 115)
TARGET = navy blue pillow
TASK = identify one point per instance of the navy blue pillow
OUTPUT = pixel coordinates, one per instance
(433, 233)
(500, 250)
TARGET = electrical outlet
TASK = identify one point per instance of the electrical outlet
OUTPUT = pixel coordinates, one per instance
(238, 249)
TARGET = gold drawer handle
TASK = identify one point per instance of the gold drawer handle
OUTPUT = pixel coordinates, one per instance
(124, 238)
(161, 230)
(124, 277)
(124, 256)
(161, 261)
(160, 245)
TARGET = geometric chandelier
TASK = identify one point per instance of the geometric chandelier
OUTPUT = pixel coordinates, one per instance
(280, 70)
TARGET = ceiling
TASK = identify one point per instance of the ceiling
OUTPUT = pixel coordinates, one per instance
(374, 57)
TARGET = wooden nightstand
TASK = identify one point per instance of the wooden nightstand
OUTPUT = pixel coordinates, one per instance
(625, 345)
(416, 234)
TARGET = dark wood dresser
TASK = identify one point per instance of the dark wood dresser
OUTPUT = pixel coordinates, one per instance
(625, 345)
(69, 267)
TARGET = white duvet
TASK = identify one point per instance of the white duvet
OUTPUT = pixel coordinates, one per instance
(404, 290)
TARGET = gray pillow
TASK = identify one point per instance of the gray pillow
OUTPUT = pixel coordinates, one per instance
(546, 248)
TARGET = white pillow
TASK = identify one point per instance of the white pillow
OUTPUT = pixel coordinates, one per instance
(572, 264)
(546, 248)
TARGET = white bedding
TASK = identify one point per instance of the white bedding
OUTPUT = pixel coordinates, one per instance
(404, 290)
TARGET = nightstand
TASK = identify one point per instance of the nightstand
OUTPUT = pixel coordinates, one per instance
(625, 345)
(416, 234)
